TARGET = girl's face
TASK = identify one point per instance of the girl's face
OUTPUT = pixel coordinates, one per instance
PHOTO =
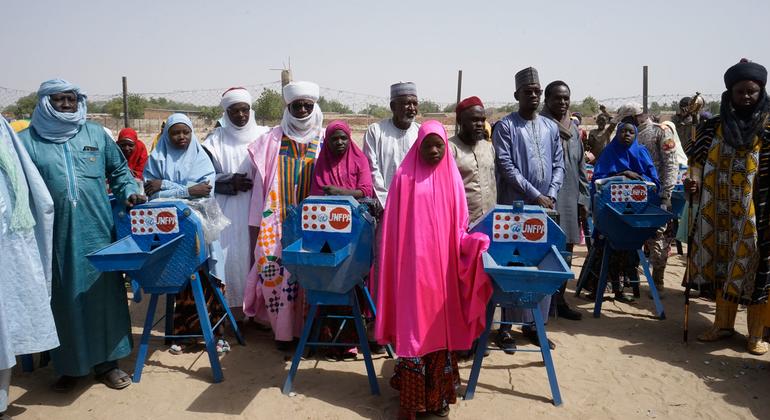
(627, 134)
(126, 146)
(339, 142)
(180, 135)
(432, 149)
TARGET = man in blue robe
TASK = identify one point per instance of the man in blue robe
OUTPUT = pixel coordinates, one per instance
(530, 167)
(77, 159)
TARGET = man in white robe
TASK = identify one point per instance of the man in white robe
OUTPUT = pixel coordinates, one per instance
(228, 146)
(386, 142)
(26, 240)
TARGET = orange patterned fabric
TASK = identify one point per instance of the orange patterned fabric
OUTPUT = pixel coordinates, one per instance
(426, 384)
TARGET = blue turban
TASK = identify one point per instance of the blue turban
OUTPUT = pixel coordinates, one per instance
(52, 125)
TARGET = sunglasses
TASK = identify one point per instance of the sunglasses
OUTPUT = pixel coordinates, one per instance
(298, 106)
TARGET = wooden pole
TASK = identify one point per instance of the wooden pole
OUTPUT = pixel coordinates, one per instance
(125, 102)
(459, 86)
(645, 88)
(459, 95)
(285, 77)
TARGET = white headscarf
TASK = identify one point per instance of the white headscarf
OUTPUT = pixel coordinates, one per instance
(249, 132)
(302, 130)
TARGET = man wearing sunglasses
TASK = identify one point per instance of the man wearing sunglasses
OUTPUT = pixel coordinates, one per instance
(530, 167)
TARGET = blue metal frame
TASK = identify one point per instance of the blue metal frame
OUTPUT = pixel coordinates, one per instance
(164, 264)
(523, 274)
(330, 265)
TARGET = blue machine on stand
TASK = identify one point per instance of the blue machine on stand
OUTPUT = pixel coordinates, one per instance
(626, 213)
(162, 249)
(329, 252)
(526, 265)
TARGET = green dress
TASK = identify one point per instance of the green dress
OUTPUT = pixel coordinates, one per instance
(90, 308)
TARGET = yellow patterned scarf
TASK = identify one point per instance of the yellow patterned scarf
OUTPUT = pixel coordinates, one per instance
(725, 249)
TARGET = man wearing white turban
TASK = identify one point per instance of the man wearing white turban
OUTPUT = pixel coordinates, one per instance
(228, 147)
(284, 158)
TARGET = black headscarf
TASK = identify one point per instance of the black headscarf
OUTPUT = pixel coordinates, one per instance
(739, 132)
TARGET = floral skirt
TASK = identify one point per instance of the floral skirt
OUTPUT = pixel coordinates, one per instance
(428, 383)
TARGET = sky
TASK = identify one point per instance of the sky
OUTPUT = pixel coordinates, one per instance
(597, 47)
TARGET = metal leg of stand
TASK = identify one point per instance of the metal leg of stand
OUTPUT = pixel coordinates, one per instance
(208, 333)
(229, 314)
(653, 290)
(141, 355)
(169, 319)
(545, 350)
(289, 384)
(481, 347)
(370, 302)
(602, 280)
(364, 344)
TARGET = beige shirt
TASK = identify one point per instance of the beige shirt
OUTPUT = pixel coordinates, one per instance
(477, 168)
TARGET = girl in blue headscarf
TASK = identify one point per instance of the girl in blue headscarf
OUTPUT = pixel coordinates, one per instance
(623, 156)
(178, 167)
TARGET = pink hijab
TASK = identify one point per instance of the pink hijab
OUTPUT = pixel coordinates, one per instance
(433, 289)
(350, 171)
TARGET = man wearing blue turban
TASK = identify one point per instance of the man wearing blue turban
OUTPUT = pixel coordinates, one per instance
(77, 159)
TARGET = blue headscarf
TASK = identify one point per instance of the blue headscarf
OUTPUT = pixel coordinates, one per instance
(617, 157)
(184, 167)
(52, 125)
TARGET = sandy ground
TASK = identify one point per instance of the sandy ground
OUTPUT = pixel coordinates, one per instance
(624, 365)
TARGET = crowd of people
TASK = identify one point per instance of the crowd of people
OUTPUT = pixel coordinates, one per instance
(424, 189)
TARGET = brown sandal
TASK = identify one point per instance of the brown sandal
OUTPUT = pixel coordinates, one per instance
(716, 334)
(115, 379)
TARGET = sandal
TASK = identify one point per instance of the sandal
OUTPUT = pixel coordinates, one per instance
(115, 379)
(444, 412)
(506, 342)
(620, 297)
(757, 346)
(716, 334)
(222, 347)
(64, 384)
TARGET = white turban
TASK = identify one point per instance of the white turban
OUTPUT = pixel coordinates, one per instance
(234, 96)
(301, 90)
(302, 130)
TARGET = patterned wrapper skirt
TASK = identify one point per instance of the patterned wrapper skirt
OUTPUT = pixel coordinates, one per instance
(426, 384)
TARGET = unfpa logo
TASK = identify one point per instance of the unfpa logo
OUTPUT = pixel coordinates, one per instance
(165, 221)
(339, 218)
(533, 229)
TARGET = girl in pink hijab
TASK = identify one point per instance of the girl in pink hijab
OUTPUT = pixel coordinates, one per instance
(433, 290)
(342, 168)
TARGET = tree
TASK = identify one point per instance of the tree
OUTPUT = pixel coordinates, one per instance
(508, 108)
(451, 107)
(136, 106)
(23, 107)
(333, 105)
(590, 106)
(269, 105)
(377, 111)
(428, 107)
(655, 108)
(210, 113)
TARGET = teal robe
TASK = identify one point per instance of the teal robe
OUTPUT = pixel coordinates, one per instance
(90, 308)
